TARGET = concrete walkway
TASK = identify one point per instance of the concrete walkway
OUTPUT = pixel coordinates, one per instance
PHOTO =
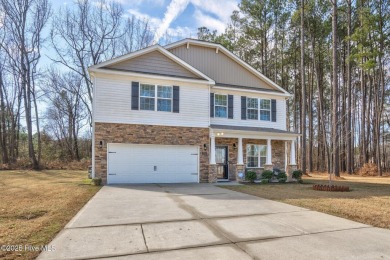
(202, 221)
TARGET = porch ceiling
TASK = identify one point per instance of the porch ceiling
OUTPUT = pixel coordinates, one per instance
(252, 132)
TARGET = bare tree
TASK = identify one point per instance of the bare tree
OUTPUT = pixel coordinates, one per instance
(24, 21)
(66, 112)
(88, 33)
(137, 35)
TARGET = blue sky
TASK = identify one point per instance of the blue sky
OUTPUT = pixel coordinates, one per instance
(180, 18)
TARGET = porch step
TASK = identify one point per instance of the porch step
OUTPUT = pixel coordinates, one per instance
(223, 180)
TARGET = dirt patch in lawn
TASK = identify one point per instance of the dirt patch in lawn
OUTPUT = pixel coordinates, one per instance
(35, 206)
(368, 201)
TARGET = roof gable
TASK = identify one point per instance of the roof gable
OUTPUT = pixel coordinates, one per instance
(221, 65)
(152, 60)
(156, 63)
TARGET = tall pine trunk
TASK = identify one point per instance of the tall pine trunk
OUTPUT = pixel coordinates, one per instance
(335, 115)
(303, 88)
(349, 95)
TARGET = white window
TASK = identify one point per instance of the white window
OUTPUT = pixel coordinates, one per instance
(164, 98)
(256, 155)
(265, 109)
(255, 111)
(220, 105)
(252, 108)
(155, 97)
(147, 97)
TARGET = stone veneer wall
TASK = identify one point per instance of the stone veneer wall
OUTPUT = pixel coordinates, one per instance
(149, 134)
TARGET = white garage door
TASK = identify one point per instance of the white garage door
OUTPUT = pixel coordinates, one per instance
(138, 163)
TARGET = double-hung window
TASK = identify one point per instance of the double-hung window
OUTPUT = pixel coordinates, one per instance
(220, 105)
(265, 109)
(258, 109)
(164, 98)
(155, 97)
(147, 97)
(252, 111)
(256, 155)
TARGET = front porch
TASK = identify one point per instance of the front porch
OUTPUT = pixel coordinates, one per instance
(237, 149)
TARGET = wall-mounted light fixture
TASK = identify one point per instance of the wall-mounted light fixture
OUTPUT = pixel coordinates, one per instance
(219, 134)
(100, 144)
(234, 146)
(205, 147)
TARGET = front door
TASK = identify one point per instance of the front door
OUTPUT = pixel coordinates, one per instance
(221, 158)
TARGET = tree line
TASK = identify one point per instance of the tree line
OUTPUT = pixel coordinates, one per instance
(334, 57)
(45, 111)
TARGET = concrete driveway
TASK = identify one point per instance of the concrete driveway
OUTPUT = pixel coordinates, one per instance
(203, 221)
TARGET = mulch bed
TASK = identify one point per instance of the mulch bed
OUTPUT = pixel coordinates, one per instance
(320, 187)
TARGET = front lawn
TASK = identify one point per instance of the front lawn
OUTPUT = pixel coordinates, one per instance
(35, 206)
(368, 202)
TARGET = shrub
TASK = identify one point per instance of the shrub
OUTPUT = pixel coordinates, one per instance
(282, 175)
(250, 176)
(97, 181)
(282, 180)
(297, 174)
(267, 174)
(264, 181)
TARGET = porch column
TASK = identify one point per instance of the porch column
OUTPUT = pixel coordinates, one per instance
(292, 154)
(240, 159)
(212, 148)
(269, 152)
(285, 156)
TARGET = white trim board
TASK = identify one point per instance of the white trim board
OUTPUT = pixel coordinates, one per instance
(148, 76)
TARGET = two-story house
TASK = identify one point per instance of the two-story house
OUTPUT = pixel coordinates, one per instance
(191, 111)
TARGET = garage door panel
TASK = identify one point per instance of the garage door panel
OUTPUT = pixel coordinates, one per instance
(131, 163)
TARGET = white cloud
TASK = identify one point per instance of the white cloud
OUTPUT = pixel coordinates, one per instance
(203, 19)
(174, 9)
(154, 22)
(135, 3)
(214, 14)
(222, 9)
(180, 32)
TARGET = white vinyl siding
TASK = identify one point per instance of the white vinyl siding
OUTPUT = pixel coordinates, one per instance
(113, 103)
(237, 121)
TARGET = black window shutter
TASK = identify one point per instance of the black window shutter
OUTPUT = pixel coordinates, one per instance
(211, 104)
(230, 106)
(176, 99)
(243, 107)
(273, 110)
(134, 95)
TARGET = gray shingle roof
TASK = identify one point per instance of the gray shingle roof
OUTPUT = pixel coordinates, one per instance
(253, 129)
